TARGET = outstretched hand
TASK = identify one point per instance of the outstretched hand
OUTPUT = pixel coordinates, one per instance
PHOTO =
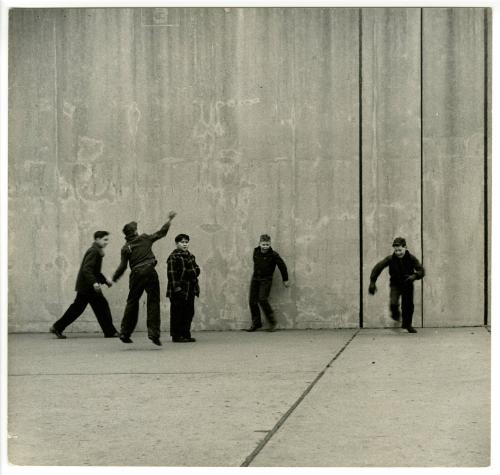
(372, 289)
(172, 215)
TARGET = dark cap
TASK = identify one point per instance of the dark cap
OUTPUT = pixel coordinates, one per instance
(181, 237)
(399, 241)
(130, 228)
(265, 238)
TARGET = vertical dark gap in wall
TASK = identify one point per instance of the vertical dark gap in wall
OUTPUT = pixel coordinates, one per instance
(360, 145)
(422, 154)
(486, 177)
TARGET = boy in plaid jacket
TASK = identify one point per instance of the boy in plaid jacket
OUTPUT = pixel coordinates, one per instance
(182, 287)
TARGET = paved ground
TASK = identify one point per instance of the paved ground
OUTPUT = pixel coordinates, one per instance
(290, 398)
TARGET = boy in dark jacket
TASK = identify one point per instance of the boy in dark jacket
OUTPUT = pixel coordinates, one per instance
(88, 290)
(137, 252)
(404, 269)
(265, 260)
(182, 288)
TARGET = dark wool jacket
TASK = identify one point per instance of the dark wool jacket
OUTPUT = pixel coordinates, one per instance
(137, 251)
(399, 269)
(182, 274)
(90, 270)
(264, 264)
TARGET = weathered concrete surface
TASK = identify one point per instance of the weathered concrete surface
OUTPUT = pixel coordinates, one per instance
(246, 120)
(326, 188)
(394, 399)
(221, 114)
(391, 148)
(95, 401)
(390, 398)
(453, 166)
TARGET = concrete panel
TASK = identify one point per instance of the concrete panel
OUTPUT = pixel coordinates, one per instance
(453, 166)
(189, 109)
(325, 122)
(391, 147)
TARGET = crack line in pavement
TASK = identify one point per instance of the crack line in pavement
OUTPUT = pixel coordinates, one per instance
(292, 408)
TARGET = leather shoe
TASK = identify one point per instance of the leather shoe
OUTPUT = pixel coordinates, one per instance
(57, 333)
(156, 341)
(113, 335)
(253, 328)
(125, 339)
(180, 339)
(190, 339)
(411, 330)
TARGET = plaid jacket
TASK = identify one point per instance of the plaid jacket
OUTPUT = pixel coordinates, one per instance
(182, 274)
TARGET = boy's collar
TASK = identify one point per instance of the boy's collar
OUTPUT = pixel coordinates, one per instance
(99, 248)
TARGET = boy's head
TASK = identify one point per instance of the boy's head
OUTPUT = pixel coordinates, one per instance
(264, 242)
(182, 242)
(130, 229)
(101, 238)
(399, 246)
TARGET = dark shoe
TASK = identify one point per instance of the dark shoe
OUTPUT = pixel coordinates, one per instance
(272, 327)
(125, 339)
(57, 333)
(180, 339)
(113, 335)
(253, 328)
(156, 341)
(190, 339)
(411, 330)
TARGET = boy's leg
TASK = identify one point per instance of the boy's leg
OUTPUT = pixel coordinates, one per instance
(264, 291)
(188, 316)
(153, 304)
(253, 301)
(177, 304)
(72, 313)
(102, 312)
(408, 307)
(131, 314)
(395, 292)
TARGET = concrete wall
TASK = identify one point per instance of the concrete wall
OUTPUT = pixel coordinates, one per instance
(333, 130)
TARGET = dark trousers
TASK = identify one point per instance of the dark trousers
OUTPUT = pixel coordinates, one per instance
(100, 307)
(406, 294)
(259, 295)
(144, 278)
(181, 315)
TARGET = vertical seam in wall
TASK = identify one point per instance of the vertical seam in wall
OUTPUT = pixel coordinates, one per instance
(422, 156)
(360, 145)
(486, 177)
(56, 134)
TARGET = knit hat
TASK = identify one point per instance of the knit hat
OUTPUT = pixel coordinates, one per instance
(399, 241)
(130, 229)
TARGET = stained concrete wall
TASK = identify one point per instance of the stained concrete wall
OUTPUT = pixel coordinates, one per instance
(303, 123)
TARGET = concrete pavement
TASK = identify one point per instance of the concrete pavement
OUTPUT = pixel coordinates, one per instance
(290, 398)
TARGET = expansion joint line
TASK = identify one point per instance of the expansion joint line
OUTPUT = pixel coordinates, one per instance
(292, 408)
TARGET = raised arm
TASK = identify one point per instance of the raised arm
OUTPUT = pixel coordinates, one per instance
(162, 232)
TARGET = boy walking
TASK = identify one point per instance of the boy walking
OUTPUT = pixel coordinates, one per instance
(265, 260)
(404, 269)
(137, 252)
(88, 291)
(182, 288)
